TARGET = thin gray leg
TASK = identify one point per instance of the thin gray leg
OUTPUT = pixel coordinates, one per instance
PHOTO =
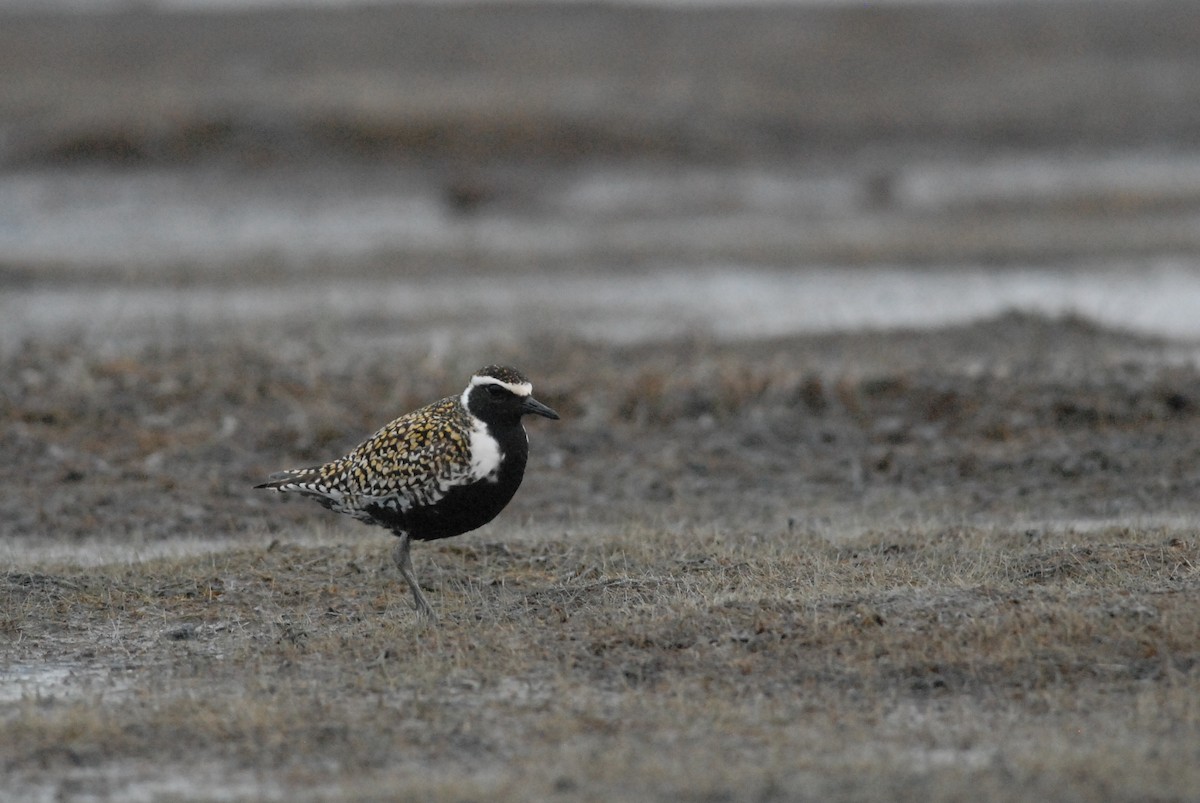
(404, 564)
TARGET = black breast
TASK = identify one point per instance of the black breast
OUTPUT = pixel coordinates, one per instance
(467, 507)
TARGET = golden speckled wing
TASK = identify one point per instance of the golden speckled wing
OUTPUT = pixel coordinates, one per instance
(414, 460)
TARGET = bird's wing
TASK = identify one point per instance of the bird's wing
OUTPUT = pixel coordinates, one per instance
(414, 460)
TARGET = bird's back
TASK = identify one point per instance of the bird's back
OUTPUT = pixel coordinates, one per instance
(405, 463)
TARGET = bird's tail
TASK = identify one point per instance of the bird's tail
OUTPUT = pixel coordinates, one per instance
(294, 479)
(306, 482)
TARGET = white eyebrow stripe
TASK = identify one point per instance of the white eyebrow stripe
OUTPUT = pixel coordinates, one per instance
(519, 389)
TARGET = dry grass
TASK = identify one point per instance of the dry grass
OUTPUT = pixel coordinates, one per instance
(637, 663)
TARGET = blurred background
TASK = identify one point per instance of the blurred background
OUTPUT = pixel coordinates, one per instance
(431, 174)
(874, 328)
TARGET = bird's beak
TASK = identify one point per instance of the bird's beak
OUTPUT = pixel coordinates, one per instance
(532, 405)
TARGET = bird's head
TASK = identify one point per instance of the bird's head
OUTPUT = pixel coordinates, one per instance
(498, 393)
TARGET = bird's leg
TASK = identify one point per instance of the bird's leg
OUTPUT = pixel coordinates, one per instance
(404, 564)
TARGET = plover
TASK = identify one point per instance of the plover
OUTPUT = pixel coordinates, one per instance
(437, 472)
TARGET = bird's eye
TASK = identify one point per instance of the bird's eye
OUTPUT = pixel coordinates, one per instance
(495, 391)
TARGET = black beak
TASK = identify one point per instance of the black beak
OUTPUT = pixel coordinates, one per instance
(532, 405)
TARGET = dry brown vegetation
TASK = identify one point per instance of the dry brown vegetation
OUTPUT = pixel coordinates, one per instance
(833, 568)
(939, 664)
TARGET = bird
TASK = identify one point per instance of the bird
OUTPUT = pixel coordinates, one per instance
(437, 472)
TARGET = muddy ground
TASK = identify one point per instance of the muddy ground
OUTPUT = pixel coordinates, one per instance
(863, 564)
(1018, 411)
(1013, 420)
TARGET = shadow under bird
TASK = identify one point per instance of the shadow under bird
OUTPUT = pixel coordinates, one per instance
(437, 472)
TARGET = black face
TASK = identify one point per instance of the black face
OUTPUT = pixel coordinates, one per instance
(496, 403)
